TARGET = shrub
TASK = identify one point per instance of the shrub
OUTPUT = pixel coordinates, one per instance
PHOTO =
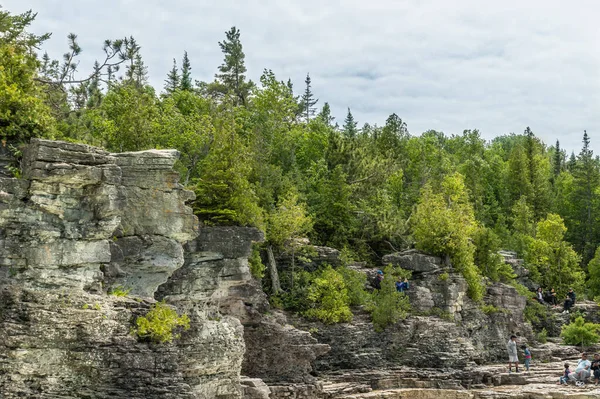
(491, 309)
(119, 291)
(444, 276)
(355, 284)
(542, 336)
(535, 312)
(580, 333)
(521, 289)
(388, 306)
(329, 297)
(257, 268)
(159, 323)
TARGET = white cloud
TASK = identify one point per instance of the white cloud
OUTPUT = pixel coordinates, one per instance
(444, 65)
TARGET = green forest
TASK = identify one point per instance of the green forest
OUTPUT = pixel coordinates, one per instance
(270, 154)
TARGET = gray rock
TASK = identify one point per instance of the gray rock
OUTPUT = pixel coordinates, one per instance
(415, 261)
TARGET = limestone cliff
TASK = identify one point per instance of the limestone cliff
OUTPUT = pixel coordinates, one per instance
(80, 222)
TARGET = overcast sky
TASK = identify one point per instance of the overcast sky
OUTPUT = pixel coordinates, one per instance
(497, 66)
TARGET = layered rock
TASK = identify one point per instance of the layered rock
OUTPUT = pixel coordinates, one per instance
(216, 276)
(83, 221)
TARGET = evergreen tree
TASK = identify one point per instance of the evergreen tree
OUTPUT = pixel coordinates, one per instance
(557, 160)
(572, 163)
(231, 75)
(172, 82)
(308, 101)
(585, 201)
(325, 115)
(186, 73)
(350, 124)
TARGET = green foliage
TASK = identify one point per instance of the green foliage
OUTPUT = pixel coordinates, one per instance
(491, 264)
(444, 223)
(594, 273)
(388, 306)
(257, 268)
(23, 112)
(535, 312)
(330, 302)
(444, 276)
(542, 336)
(521, 289)
(288, 221)
(355, 283)
(159, 324)
(580, 333)
(551, 260)
(119, 291)
(491, 309)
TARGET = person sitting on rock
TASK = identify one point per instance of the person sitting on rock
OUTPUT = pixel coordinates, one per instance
(569, 301)
(582, 371)
(596, 368)
(378, 280)
(511, 348)
(401, 286)
(553, 300)
(565, 377)
(539, 295)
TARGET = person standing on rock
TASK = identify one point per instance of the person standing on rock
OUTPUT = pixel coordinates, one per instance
(511, 348)
(527, 355)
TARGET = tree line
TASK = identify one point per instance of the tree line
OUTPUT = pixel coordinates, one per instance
(269, 155)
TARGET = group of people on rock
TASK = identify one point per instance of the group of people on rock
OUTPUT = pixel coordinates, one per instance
(550, 298)
(585, 368)
(401, 284)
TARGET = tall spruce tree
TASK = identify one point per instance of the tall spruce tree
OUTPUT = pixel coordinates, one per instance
(585, 201)
(173, 80)
(325, 115)
(186, 73)
(231, 72)
(308, 101)
(557, 159)
(350, 124)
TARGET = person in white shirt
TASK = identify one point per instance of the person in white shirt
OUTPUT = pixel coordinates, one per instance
(582, 371)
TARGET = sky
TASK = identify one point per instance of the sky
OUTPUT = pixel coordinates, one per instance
(496, 66)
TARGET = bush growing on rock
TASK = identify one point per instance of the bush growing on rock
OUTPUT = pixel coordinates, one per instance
(388, 306)
(159, 323)
(444, 224)
(581, 333)
(257, 268)
(329, 297)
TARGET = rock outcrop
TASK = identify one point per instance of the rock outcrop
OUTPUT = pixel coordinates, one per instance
(81, 222)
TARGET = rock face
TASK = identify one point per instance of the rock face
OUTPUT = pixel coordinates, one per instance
(216, 276)
(83, 221)
(446, 330)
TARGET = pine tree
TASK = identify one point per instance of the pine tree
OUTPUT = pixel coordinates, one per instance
(325, 115)
(172, 81)
(557, 159)
(572, 163)
(140, 73)
(585, 201)
(186, 73)
(308, 102)
(350, 129)
(232, 70)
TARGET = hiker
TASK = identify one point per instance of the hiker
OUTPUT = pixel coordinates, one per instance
(553, 300)
(511, 348)
(569, 301)
(596, 368)
(539, 295)
(565, 377)
(582, 371)
(378, 280)
(401, 286)
(527, 355)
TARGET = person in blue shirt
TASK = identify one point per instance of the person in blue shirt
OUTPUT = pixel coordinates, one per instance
(527, 354)
(401, 286)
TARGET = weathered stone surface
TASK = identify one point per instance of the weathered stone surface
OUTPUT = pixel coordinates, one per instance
(82, 221)
(414, 260)
(216, 275)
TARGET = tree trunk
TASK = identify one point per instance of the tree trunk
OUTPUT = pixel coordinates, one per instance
(275, 286)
